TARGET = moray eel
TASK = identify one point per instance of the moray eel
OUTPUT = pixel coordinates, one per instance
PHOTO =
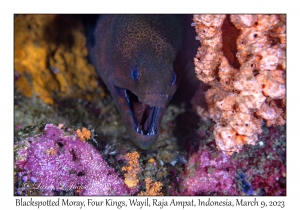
(141, 59)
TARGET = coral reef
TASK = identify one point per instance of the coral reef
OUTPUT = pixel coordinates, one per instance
(257, 170)
(50, 60)
(243, 59)
(207, 173)
(182, 161)
(57, 161)
(152, 188)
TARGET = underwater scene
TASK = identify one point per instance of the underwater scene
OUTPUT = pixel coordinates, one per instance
(150, 105)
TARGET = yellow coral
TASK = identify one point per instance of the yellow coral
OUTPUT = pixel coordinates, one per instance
(84, 134)
(132, 169)
(152, 188)
(243, 93)
(151, 160)
(48, 64)
(131, 180)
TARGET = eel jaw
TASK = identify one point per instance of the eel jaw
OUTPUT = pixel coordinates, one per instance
(142, 121)
(144, 116)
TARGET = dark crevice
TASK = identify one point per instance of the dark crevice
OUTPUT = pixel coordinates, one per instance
(229, 47)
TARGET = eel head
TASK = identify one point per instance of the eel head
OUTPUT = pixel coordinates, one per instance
(142, 96)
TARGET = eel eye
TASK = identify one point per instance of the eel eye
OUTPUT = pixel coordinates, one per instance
(135, 73)
(173, 79)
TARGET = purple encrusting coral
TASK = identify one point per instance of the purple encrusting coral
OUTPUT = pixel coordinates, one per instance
(209, 172)
(58, 160)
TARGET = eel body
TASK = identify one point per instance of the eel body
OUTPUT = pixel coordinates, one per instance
(141, 59)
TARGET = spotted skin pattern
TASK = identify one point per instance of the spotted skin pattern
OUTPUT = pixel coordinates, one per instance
(153, 45)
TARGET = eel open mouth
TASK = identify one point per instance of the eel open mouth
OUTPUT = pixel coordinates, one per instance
(145, 117)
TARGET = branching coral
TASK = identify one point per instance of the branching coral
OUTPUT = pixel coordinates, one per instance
(132, 169)
(84, 134)
(152, 188)
(247, 80)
